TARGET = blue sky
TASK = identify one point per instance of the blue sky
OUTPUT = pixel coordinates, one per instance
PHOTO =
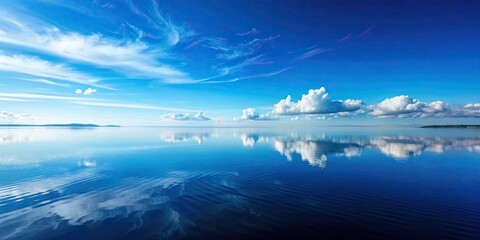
(170, 62)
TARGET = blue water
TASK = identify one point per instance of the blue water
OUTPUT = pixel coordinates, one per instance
(186, 183)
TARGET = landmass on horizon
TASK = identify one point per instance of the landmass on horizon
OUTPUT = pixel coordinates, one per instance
(71, 125)
(451, 126)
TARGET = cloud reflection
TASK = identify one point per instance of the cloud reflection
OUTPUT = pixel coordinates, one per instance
(316, 149)
(176, 137)
(125, 201)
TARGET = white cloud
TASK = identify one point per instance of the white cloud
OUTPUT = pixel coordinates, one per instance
(135, 58)
(251, 114)
(11, 99)
(89, 91)
(78, 91)
(473, 106)
(406, 107)
(23, 96)
(316, 101)
(40, 68)
(81, 101)
(46, 81)
(6, 116)
(127, 105)
(200, 116)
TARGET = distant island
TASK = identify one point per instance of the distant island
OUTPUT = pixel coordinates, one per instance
(70, 125)
(451, 126)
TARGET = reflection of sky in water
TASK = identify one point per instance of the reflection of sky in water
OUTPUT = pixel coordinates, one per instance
(170, 183)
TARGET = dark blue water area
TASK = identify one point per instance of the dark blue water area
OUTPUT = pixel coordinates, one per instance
(155, 183)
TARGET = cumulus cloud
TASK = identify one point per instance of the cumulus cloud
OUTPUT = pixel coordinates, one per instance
(406, 107)
(6, 116)
(200, 116)
(88, 91)
(251, 114)
(316, 101)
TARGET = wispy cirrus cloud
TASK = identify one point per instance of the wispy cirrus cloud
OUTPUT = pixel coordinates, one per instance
(37, 67)
(249, 32)
(261, 75)
(45, 81)
(242, 49)
(87, 101)
(129, 105)
(170, 32)
(313, 52)
(133, 58)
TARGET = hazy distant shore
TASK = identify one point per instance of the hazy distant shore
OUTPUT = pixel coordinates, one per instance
(451, 126)
(72, 125)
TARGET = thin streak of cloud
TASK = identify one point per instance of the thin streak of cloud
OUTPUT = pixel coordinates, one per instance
(345, 38)
(313, 52)
(40, 68)
(249, 32)
(90, 102)
(46, 81)
(367, 30)
(38, 96)
(12, 99)
(129, 105)
(249, 77)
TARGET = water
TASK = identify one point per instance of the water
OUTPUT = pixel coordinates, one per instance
(185, 183)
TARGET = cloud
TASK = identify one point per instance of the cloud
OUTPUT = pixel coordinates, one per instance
(40, 68)
(242, 49)
(24, 96)
(81, 101)
(473, 106)
(133, 58)
(12, 99)
(249, 32)
(128, 105)
(406, 107)
(316, 101)
(6, 116)
(88, 91)
(249, 77)
(169, 31)
(200, 116)
(313, 52)
(251, 114)
(46, 81)
(231, 52)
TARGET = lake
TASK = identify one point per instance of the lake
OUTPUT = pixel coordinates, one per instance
(239, 183)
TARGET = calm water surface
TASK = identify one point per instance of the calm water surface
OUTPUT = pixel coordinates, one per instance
(185, 183)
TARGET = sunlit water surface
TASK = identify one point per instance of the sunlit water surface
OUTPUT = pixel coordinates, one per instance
(185, 183)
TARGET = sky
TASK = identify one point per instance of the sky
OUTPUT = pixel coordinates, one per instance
(238, 62)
